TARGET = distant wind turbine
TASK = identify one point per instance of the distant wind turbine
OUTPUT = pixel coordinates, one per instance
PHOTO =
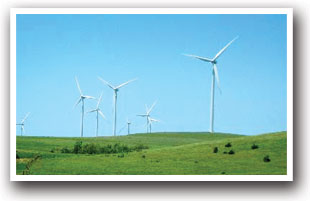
(214, 74)
(98, 112)
(150, 122)
(128, 126)
(147, 115)
(115, 89)
(81, 98)
(22, 124)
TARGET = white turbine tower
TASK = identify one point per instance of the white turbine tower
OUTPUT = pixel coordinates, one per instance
(147, 115)
(98, 112)
(115, 89)
(22, 124)
(150, 122)
(81, 98)
(214, 74)
(128, 126)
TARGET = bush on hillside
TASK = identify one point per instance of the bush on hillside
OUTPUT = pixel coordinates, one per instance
(228, 144)
(77, 147)
(267, 159)
(215, 150)
(140, 147)
(231, 152)
(89, 149)
(65, 150)
(254, 146)
(92, 148)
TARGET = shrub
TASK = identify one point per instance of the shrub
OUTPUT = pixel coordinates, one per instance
(223, 172)
(17, 156)
(139, 147)
(228, 144)
(143, 156)
(215, 150)
(77, 147)
(231, 152)
(254, 146)
(89, 148)
(196, 161)
(225, 152)
(52, 150)
(106, 149)
(266, 159)
(65, 150)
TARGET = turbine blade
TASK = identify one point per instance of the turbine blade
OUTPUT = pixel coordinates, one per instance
(142, 115)
(99, 100)
(146, 108)
(78, 85)
(125, 83)
(198, 57)
(89, 97)
(156, 120)
(149, 120)
(224, 48)
(91, 111)
(217, 77)
(105, 82)
(25, 117)
(152, 107)
(121, 129)
(101, 114)
(77, 102)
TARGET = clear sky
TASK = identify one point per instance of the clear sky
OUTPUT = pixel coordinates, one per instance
(53, 49)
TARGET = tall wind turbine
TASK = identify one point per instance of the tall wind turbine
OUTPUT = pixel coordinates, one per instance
(98, 112)
(81, 99)
(22, 124)
(150, 122)
(115, 89)
(147, 115)
(214, 74)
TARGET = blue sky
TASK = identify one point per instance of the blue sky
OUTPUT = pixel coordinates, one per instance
(52, 49)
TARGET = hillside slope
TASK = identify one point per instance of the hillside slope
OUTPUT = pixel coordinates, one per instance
(171, 153)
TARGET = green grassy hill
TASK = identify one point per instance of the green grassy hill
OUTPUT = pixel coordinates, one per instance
(167, 153)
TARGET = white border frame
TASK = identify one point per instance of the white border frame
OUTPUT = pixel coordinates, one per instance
(287, 11)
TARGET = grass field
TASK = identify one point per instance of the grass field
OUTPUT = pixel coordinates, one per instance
(167, 154)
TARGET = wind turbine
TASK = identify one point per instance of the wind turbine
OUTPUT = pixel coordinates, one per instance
(214, 74)
(147, 115)
(115, 89)
(150, 122)
(81, 98)
(22, 123)
(98, 111)
(128, 126)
